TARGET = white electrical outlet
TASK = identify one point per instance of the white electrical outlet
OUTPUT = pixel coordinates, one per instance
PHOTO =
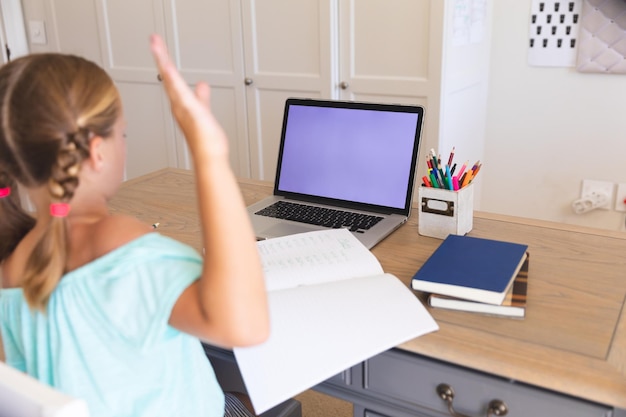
(37, 30)
(598, 190)
(620, 197)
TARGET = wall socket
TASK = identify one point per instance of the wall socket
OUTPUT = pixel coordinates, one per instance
(592, 188)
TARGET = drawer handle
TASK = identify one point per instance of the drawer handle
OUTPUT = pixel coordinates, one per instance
(446, 393)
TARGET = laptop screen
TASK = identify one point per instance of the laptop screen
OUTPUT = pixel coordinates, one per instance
(354, 152)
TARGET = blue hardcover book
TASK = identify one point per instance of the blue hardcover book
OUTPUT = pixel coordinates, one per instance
(471, 268)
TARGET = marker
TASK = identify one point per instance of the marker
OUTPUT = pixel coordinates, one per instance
(455, 183)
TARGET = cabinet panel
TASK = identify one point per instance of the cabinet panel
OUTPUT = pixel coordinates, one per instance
(290, 43)
(287, 50)
(365, 412)
(369, 413)
(411, 379)
(208, 35)
(71, 18)
(385, 52)
(207, 39)
(398, 51)
(389, 410)
(227, 104)
(149, 128)
(124, 31)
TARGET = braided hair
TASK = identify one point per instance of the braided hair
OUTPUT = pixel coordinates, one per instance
(51, 105)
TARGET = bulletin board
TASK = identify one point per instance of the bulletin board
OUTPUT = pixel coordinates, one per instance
(602, 37)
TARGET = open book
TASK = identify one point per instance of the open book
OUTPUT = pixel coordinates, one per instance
(331, 307)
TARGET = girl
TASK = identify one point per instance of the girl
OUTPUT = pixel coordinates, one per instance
(97, 305)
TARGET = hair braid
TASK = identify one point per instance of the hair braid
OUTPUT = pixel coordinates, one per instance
(43, 277)
(64, 176)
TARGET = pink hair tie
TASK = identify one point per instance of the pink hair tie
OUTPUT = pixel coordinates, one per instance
(5, 192)
(59, 209)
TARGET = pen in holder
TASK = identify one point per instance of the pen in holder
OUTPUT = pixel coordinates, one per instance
(443, 212)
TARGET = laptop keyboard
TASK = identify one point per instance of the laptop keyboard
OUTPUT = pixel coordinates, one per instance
(320, 216)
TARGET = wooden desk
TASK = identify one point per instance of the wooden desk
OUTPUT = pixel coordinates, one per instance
(573, 339)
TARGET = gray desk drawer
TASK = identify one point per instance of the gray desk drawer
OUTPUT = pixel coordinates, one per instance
(411, 380)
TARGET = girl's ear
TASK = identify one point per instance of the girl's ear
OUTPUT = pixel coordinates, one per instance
(96, 154)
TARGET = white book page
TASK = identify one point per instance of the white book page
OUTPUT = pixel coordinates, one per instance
(318, 331)
(315, 257)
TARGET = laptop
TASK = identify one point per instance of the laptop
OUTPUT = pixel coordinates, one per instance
(342, 164)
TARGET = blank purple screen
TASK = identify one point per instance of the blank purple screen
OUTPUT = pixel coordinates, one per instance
(349, 154)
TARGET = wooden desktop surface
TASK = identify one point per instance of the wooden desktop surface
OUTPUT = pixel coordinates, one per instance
(573, 339)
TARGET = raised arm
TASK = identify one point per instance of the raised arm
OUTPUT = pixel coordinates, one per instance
(228, 304)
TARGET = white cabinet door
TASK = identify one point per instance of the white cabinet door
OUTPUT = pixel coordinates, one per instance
(254, 54)
(124, 28)
(208, 39)
(384, 50)
(288, 53)
(390, 52)
(365, 50)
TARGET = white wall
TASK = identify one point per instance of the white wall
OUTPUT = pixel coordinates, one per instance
(72, 17)
(547, 130)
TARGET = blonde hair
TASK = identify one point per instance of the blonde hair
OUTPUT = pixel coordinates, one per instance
(51, 105)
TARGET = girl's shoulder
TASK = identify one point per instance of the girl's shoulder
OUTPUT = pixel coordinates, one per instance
(123, 234)
(114, 231)
(88, 241)
(91, 241)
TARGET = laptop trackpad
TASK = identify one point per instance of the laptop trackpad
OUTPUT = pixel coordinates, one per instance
(286, 229)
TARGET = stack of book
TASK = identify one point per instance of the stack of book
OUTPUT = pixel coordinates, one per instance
(476, 275)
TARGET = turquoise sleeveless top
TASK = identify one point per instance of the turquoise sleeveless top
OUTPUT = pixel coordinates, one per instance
(105, 336)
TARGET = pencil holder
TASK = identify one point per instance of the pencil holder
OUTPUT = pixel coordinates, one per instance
(444, 212)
